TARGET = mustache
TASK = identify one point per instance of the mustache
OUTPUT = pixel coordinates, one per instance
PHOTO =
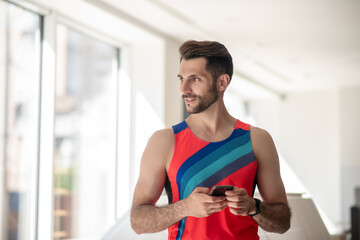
(189, 96)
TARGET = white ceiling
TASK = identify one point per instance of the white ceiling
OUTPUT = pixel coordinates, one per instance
(282, 45)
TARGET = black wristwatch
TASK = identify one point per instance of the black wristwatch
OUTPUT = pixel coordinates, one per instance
(258, 207)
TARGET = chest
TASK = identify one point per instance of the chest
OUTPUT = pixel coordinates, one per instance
(200, 164)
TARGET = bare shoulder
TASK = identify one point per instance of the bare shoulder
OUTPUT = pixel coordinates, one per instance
(163, 138)
(260, 137)
(165, 134)
(160, 146)
(263, 147)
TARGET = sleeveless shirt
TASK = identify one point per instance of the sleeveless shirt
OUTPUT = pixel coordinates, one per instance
(198, 163)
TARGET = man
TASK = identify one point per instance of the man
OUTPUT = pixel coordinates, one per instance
(209, 148)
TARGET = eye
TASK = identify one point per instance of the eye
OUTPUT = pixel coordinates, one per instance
(196, 79)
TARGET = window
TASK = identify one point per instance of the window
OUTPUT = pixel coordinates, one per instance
(19, 120)
(82, 203)
(85, 136)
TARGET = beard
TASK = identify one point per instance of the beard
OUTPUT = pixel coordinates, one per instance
(204, 102)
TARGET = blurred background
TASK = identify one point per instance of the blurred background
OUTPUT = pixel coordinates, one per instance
(84, 84)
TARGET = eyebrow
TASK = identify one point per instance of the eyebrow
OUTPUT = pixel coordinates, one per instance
(191, 76)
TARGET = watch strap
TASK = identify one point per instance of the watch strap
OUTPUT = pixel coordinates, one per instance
(258, 207)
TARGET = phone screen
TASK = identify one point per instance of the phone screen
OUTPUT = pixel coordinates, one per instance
(219, 190)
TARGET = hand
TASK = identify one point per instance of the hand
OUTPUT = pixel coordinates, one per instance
(200, 204)
(239, 201)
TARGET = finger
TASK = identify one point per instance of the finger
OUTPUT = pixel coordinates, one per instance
(236, 204)
(218, 207)
(235, 198)
(236, 191)
(213, 199)
(202, 190)
(236, 211)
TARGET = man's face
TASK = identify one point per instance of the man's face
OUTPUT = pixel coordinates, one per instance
(197, 86)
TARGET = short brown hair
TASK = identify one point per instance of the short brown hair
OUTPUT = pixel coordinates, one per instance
(219, 60)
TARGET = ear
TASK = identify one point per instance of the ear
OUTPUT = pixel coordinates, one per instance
(223, 82)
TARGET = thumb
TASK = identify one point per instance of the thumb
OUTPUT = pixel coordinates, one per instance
(202, 190)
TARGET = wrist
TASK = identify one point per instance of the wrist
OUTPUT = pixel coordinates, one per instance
(183, 209)
(252, 207)
(255, 207)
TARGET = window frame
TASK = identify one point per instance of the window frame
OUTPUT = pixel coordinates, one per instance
(45, 217)
(4, 81)
(43, 224)
(3, 93)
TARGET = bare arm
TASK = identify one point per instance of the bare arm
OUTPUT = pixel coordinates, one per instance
(145, 216)
(148, 218)
(274, 217)
(275, 213)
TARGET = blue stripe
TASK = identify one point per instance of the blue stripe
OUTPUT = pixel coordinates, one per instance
(220, 155)
(205, 151)
(181, 228)
(212, 163)
(228, 170)
(179, 127)
(199, 177)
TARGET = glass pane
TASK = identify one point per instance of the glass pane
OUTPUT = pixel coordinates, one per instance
(85, 136)
(20, 120)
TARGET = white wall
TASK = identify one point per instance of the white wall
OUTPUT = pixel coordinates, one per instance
(318, 134)
(147, 98)
(156, 101)
(349, 114)
(173, 102)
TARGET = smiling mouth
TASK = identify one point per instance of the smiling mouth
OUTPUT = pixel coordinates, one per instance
(189, 98)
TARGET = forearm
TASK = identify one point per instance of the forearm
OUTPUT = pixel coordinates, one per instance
(150, 219)
(274, 217)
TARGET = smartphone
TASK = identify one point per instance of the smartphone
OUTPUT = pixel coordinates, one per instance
(219, 190)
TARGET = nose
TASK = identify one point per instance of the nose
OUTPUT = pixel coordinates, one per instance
(185, 87)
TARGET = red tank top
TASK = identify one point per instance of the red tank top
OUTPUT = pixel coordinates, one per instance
(197, 163)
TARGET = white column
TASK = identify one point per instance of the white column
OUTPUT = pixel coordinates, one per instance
(3, 63)
(45, 191)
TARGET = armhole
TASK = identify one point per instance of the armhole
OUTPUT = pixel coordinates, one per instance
(173, 151)
(168, 188)
(254, 184)
(257, 162)
(251, 141)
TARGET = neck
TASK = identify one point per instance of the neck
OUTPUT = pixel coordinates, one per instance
(213, 119)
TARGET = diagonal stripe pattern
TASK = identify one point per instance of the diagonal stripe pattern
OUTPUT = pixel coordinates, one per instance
(213, 163)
